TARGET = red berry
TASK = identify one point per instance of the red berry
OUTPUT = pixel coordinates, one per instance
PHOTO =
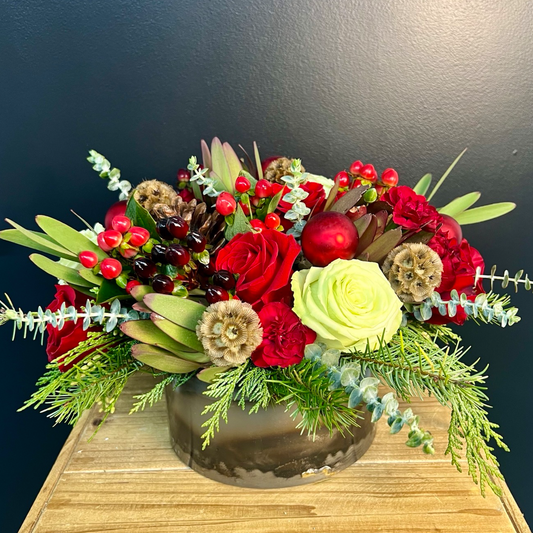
(357, 212)
(356, 183)
(263, 189)
(177, 255)
(329, 236)
(187, 195)
(272, 221)
(380, 190)
(88, 259)
(144, 267)
(183, 175)
(245, 208)
(163, 284)
(127, 253)
(121, 223)
(389, 177)
(107, 240)
(226, 204)
(257, 224)
(206, 270)
(177, 227)
(215, 294)
(368, 172)
(132, 283)
(254, 200)
(242, 184)
(118, 208)
(101, 242)
(224, 279)
(138, 236)
(355, 167)
(342, 178)
(110, 268)
(196, 242)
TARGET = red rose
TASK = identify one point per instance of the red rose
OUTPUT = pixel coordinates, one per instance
(410, 210)
(459, 262)
(284, 337)
(263, 262)
(315, 201)
(60, 341)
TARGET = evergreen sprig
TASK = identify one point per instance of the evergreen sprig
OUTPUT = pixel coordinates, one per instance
(99, 377)
(412, 364)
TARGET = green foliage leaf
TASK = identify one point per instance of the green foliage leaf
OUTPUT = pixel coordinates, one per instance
(378, 250)
(68, 237)
(457, 206)
(346, 202)
(182, 335)
(234, 164)
(161, 359)
(208, 375)
(147, 332)
(206, 155)
(423, 185)
(109, 290)
(240, 224)
(258, 162)
(140, 291)
(17, 237)
(59, 271)
(185, 313)
(445, 175)
(274, 202)
(139, 216)
(88, 275)
(485, 212)
(41, 240)
(220, 165)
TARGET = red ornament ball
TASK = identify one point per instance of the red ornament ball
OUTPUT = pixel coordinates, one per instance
(329, 236)
(451, 228)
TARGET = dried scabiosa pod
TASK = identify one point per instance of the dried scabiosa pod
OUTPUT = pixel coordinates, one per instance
(278, 168)
(414, 271)
(229, 332)
(154, 192)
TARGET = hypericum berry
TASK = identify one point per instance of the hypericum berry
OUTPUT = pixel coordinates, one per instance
(132, 283)
(163, 284)
(128, 252)
(161, 228)
(389, 177)
(206, 270)
(101, 242)
(121, 223)
(263, 189)
(342, 178)
(224, 279)
(245, 208)
(215, 294)
(144, 267)
(107, 240)
(183, 175)
(242, 184)
(196, 241)
(355, 167)
(177, 255)
(118, 208)
(110, 268)
(371, 195)
(368, 172)
(254, 200)
(139, 236)
(158, 253)
(177, 227)
(272, 221)
(380, 189)
(257, 224)
(226, 204)
(88, 259)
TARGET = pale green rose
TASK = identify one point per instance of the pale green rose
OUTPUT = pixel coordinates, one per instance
(349, 304)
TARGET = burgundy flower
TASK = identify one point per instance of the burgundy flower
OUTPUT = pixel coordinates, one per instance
(284, 337)
(412, 211)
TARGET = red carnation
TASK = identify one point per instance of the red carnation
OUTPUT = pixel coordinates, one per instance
(284, 337)
(263, 261)
(412, 211)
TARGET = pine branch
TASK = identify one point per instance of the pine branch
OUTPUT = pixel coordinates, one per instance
(413, 364)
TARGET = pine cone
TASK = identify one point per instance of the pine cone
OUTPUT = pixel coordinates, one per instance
(279, 168)
(414, 271)
(153, 192)
(211, 225)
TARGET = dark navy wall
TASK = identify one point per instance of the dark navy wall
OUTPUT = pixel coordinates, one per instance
(404, 83)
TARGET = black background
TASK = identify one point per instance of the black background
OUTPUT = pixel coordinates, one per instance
(406, 84)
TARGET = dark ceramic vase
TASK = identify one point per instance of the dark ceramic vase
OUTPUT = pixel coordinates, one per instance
(263, 450)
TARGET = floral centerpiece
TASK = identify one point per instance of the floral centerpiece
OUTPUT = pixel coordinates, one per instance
(272, 285)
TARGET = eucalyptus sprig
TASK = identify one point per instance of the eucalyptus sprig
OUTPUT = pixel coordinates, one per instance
(505, 279)
(103, 167)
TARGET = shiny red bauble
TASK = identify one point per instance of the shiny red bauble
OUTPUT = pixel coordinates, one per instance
(368, 172)
(329, 236)
(118, 208)
(451, 228)
(389, 177)
(110, 268)
(242, 184)
(226, 204)
(355, 167)
(88, 259)
(342, 178)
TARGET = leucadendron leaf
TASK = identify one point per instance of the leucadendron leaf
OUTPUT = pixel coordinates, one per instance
(378, 250)
(181, 311)
(162, 360)
(180, 334)
(483, 213)
(423, 185)
(208, 375)
(457, 206)
(59, 271)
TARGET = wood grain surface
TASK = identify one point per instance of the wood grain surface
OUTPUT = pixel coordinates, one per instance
(127, 479)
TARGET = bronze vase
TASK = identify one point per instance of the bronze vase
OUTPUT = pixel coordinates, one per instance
(262, 450)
